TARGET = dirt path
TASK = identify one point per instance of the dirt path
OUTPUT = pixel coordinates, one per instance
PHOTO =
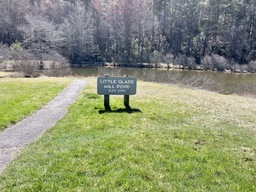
(16, 137)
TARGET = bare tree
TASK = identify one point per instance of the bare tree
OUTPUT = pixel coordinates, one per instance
(40, 36)
(76, 36)
(24, 62)
(11, 18)
(131, 30)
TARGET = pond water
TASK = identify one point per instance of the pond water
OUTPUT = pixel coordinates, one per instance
(225, 83)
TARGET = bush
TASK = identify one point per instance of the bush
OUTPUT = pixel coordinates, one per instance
(252, 66)
(26, 67)
(155, 58)
(185, 61)
(168, 59)
(5, 54)
(215, 62)
(25, 64)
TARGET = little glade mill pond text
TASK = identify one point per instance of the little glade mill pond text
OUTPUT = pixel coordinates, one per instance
(116, 85)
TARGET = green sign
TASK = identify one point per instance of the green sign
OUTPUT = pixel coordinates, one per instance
(116, 85)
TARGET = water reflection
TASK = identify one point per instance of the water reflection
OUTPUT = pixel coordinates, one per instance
(242, 84)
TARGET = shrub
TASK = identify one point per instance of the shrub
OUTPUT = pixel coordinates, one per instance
(5, 54)
(26, 67)
(215, 62)
(155, 58)
(168, 59)
(185, 61)
(252, 66)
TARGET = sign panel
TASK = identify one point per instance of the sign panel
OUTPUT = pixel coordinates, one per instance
(116, 85)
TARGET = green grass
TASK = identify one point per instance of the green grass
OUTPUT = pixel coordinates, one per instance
(21, 97)
(182, 140)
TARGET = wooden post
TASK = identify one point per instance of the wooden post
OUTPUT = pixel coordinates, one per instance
(127, 101)
(106, 103)
(106, 99)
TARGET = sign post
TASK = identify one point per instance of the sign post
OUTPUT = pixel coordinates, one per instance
(116, 86)
(127, 101)
(106, 102)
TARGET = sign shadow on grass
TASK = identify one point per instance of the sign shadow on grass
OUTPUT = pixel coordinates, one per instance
(128, 109)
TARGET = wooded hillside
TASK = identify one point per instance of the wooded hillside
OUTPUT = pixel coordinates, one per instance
(188, 32)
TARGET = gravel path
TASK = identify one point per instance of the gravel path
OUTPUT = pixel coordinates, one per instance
(16, 137)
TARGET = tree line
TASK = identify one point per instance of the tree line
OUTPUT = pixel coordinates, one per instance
(213, 33)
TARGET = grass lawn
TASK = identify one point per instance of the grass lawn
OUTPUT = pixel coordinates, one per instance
(21, 97)
(182, 140)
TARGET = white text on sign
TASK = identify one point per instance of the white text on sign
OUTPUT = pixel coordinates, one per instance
(116, 85)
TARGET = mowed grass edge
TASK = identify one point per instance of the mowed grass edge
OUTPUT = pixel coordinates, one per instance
(21, 97)
(177, 140)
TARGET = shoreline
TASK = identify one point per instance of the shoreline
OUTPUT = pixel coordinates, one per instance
(10, 72)
(164, 66)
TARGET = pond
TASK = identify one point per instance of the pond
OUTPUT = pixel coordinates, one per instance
(225, 83)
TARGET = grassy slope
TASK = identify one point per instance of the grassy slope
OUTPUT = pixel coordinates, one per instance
(184, 140)
(20, 97)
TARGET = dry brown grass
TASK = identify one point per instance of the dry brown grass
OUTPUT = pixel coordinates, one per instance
(209, 106)
(4, 74)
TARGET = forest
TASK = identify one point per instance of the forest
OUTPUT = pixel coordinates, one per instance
(212, 33)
